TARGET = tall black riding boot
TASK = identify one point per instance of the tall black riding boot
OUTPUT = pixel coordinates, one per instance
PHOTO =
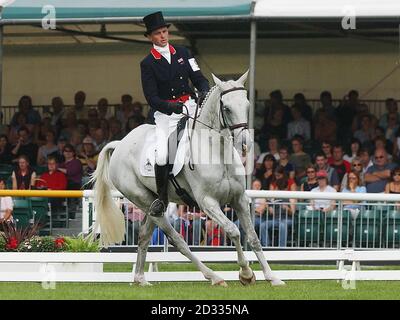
(159, 206)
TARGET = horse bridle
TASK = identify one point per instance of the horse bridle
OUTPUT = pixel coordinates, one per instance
(224, 121)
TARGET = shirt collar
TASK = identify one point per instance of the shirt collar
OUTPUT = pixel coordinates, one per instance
(156, 51)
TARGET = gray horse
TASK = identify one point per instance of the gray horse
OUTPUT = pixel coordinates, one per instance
(212, 185)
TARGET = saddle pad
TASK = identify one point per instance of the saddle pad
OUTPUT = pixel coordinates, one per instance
(147, 159)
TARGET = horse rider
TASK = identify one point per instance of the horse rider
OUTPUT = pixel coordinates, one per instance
(165, 74)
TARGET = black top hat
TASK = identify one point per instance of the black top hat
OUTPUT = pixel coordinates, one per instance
(154, 21)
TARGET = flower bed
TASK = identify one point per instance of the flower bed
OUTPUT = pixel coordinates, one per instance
(27, 240)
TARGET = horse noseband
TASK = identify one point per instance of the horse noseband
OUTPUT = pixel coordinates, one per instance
(243, 125)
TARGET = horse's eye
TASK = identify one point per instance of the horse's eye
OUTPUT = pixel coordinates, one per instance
(226, 109)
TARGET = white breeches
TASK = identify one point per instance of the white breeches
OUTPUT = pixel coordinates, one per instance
(165, 125)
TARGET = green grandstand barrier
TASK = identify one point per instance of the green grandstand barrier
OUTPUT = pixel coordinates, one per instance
(367, 228)
(332, 227)
(391, 234)
(309, 226)
(22, 212)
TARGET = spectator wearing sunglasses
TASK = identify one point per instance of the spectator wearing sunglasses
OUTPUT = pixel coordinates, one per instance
(379, 174)
(356, 166)
(311, 180)
(353, 185)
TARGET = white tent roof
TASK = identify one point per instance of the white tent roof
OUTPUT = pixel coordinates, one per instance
(327, 8)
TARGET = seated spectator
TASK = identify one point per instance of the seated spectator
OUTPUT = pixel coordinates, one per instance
(341, 166)
(57, 113)
(281, 212)
(79, 109)
(103, 109)
(324, 205)
(345, 114)
(392, 127)
(24, 177)
(355, 147)
(353, 185)
(273, 148)
(357, 167)
(76, 139)
(391, 107)
(324, 127)
(53, 179)
(284, 162)
(46, 149)
(326, 147)
(134, 122)
(275, 125)
(260, 218)
(365, 158)
(326, 106)
(59, 154)
(135, 220)
(6, 206)
(381, 142)
(72, 168)
(25, 146)
(70, 126)
(88, 158)
(276, 103)
(21, 122)
(266, 173)
(311, 181)
(378, 175)
(299, 158)
(92, 115)
(100, 139)
(299, 125)
(190, 224)
(305, 109)
(115, 130)
(366, 133)
(25, 106)
(5, 150)
(125, 110)
(393, 186)
(322, 164)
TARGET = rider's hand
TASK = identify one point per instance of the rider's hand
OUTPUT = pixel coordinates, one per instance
(176, 107)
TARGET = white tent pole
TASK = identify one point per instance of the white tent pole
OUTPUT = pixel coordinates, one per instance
(252, 70)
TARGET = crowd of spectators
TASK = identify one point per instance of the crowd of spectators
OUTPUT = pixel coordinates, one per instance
(336, 148)
(58, 149)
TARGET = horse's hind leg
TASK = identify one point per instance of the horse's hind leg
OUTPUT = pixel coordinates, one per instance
(175, 238)
(242, 211)
(145, 232)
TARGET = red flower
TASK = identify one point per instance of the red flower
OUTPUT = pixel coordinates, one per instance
(12, 244)
(59, 242)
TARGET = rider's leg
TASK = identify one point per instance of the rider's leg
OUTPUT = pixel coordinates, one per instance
(159, 205)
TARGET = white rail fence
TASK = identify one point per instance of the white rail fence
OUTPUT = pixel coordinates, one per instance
(88, 267)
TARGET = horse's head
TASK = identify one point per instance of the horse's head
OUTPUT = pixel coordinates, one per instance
(234, 110)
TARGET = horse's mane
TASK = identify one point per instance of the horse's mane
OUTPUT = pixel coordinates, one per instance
(208, 96)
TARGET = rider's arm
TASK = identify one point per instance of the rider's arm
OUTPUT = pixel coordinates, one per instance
(150, 86)
(196, 76)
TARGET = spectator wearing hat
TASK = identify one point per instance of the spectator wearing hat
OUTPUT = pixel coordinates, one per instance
(321, 163)
(88, 158)
(323, 186)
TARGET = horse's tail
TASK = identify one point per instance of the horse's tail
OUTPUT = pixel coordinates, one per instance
(108, 216)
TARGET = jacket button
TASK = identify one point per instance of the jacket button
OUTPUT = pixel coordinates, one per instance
(181, 78)
(173, 97)
(172, 89)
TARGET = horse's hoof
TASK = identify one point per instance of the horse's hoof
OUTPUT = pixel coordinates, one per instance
(277, 283)
(247, 281)
(220, 283)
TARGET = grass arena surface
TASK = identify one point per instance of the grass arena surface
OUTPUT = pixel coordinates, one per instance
(305, 290)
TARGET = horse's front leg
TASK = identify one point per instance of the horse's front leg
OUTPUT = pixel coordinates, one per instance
(242, 208)
(212, 209)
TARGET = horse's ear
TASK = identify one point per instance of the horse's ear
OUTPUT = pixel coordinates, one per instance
(216, 80)
(243, 78)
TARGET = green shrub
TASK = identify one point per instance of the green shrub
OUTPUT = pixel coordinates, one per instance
(2, 243)
(80, 244)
